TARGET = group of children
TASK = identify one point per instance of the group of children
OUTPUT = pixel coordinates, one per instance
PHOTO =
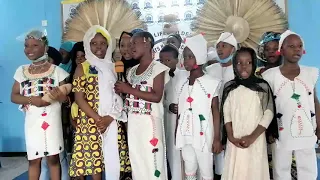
(165, 120)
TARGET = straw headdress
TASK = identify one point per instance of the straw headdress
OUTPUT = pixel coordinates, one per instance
(248, 20)
(114, 15)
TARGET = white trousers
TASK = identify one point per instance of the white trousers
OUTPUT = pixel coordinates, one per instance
(306, 161)
(219, 163)
(193, 159)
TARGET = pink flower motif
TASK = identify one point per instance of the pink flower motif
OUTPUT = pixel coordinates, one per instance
(209, 95)
(45, 125)
(189, 99)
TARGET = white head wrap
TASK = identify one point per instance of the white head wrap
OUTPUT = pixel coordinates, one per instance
(198, 45)
(108, 99)
(228, 38)
(110, 103)
(285, 35)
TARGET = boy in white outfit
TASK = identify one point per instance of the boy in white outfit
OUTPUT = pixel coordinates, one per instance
(298, 111)
(226, 47)
(198, 126)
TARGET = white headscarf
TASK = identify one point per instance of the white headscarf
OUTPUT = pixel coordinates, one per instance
(110, 103)
(285, 35)
(105, 68)
(198, 45)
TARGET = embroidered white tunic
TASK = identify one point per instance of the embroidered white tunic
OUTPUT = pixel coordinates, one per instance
(145, 126)
(43, 125)
(295, 107)
(195, 123)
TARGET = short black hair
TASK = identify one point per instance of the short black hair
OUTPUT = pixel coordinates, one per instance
(172, 49)
(55, 55)
(146, 35)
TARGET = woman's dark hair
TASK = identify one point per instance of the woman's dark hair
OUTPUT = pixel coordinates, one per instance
(73, 56)
(55, 55)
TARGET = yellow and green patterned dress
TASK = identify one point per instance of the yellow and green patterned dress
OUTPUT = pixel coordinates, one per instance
(87, 156)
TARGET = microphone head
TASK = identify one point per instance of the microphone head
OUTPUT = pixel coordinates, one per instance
(119, 67)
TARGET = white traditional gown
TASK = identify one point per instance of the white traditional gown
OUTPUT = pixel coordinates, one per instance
(243, 108)
(145, 126)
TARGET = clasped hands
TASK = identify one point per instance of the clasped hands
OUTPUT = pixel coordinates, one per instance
(103, 123)
(243, 142)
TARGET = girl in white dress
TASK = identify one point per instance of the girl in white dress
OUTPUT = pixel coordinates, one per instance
(247, 110)
(43, 125)
(198, 126)
(145, 111)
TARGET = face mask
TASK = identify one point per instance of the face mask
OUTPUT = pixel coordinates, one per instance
(226, 60)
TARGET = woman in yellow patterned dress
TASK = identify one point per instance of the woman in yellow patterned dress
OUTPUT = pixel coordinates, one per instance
(99, 106)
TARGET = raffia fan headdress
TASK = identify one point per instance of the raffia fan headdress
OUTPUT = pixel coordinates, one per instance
(114, 15)
(248, 20)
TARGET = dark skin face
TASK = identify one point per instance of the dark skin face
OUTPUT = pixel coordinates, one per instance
(174, 41)
(224, 50)
(139, 47)
(99, 46)
(80, 58)
(34, 49)
(292, 49)
(189, 59)
(65, 56)
(168, 59)
(244, 65)
(270, 50)
(125, 47)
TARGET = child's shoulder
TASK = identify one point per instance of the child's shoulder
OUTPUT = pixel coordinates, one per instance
(269, 73)
(213, 67)
(210, 79)
(309, 68)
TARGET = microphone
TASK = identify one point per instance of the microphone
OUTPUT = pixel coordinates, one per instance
(119, 67)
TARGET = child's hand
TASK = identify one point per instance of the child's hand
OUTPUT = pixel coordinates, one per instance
(216, 147)
(122, 87)
(56, 94)
(246, 141)
(271, 139)
(173, 108)
(103, 123)
(236, 142)
(38, 102)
